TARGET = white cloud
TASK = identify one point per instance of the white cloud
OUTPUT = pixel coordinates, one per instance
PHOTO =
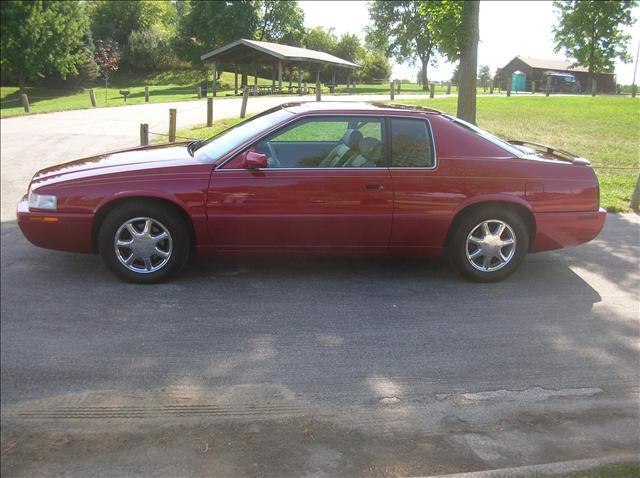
(507, 29)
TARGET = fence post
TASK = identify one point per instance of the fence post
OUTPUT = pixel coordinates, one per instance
(547, 89)
(209, 112)
(491, 87)
(92, 97)
(509, 87)
(144, 134)
(392, 89)
(594, 85)
(533, 87)
(25, 103)
(146, 94)
(432, 91)
(172, 125)
(635, 198)
(245, 98)
(634, 90)
(199, 92)
(448, 87)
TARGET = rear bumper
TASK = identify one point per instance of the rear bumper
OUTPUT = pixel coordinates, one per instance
(558, 230)
(54, 230)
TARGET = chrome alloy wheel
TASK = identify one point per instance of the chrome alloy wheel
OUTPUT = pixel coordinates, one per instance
(143, 245)
(490, 245)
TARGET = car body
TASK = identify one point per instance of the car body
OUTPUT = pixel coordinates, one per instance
(338, 178)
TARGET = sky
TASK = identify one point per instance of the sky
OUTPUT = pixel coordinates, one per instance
(507, 29)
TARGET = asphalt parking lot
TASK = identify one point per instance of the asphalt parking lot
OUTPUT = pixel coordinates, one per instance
(315, 367)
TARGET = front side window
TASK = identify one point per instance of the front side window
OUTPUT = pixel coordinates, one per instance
(326, 142)
(410, 144)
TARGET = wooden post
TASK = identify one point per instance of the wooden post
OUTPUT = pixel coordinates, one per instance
(392, 89)
(279, 77)
(634, 91)
(144, 134)
(199, 92)
(213, 82)
(533, 87)
(25, 103)
(299, 79)
(547, 90)
(349, 81)
(635, 198)
(318, 86)
(235, 78)
(305, 88)
(172, 125)
(484, 85)
(491, 87)
(594, 85)
(245, 98)
(273, 79)
(509, 87)
(432, 91)
(146, 94)
(448, 87)
(92, 97)
(209, 112)
(333, 78)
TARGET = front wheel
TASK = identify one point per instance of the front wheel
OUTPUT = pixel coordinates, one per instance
(489, 244)
(143, 243)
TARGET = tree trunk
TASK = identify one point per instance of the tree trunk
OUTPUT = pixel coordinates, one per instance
(22, 86)
(423, 73)
(468, 61)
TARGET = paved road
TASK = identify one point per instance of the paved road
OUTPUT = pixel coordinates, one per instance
(312, 368)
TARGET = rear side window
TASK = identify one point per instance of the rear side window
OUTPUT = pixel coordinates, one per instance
(410, 144)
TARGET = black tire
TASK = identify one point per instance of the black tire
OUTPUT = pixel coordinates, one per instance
(172, 221)
(468, 223)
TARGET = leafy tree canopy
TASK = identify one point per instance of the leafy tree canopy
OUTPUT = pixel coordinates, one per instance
(40, 37)
(281, 22)
(321, 39)
(590, 31)
(484, 73)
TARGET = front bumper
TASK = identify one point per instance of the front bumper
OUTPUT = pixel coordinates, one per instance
(565, 229)
(55, 230)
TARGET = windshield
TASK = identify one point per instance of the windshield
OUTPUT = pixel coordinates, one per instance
(217, 146)
(489, 137)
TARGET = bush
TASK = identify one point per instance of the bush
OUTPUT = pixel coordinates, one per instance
(376, 67)
(150, 50)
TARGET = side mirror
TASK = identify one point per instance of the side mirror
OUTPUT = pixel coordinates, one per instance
(255, 160)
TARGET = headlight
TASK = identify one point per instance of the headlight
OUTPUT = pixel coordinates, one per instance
(42, 201)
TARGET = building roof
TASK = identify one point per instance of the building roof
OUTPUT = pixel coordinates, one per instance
(252, 51)
(551, 64)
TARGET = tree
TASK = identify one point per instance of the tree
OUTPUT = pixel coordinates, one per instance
(281, 22)
(150, 49)
(375, 67)
(455, 76)
(321, 39)
(116, 20)
(401, 29)
(590, 32)
(469, 19)
(41, 37)
(107, 57)
(209, 25)
(484, 74)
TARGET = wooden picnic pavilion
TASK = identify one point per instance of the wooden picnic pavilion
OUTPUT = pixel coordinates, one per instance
(244, 52)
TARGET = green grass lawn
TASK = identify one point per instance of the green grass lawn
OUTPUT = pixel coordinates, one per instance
(602, 129)
(177, 85)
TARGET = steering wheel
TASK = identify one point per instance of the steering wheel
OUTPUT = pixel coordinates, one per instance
(272, 159)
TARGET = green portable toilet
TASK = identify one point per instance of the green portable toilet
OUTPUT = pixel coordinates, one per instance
(518, 81)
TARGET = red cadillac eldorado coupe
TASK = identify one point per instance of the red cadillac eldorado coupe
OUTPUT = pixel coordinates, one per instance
(320, 178)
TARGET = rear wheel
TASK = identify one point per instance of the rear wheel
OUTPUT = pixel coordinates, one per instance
(143, 242)
(489, 244)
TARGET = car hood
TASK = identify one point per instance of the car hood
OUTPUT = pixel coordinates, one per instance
(127, 160)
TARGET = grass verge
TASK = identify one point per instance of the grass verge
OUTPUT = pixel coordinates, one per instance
(618, 470)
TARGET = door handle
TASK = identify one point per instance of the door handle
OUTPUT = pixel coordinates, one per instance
(374, 187)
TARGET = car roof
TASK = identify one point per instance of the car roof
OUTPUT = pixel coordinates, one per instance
(354, 107)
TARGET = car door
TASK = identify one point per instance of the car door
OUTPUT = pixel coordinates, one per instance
(326, 186)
